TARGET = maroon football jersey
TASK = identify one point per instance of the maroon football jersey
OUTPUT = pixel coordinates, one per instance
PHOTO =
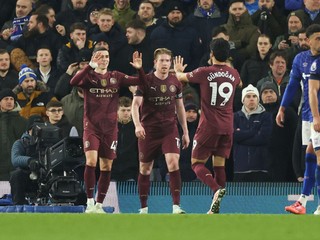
(159, 100)
(101, 96)
(217, 85)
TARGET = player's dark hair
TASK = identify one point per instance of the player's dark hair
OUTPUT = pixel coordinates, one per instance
(220, 49)
(313, 28)
(99, 49)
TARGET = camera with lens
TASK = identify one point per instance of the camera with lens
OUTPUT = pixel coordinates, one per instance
(61, 162)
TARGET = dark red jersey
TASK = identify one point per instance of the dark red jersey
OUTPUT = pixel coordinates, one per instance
(101, 96)
(217, 86)
(159, 101)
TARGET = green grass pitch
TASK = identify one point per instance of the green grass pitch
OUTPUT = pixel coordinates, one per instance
(43, 226)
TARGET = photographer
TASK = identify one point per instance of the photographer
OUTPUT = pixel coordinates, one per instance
(24, 158)
(269, 19)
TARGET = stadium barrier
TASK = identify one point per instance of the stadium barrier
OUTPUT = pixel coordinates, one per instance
(246, 198)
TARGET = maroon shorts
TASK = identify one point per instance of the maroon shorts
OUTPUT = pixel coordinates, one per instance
(104, 143)
(206, 143)
(157, 143)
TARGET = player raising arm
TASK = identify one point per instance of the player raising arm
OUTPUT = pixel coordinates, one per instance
(215, 131)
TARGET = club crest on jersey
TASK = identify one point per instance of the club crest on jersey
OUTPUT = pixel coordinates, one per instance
(86, 144)
(113, 80)
(163, 88)
(172, 88)
(103, 82)
(313, 67)
(141, 156)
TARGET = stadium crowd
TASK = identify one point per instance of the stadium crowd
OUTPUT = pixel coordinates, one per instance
(44, 43)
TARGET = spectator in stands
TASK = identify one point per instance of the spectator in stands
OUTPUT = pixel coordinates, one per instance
(252, 6)
(146, 14)
(278, 72)
(65, 19)
(24, 158)
(122, 12)
(310, 12)
(205, 18)
(92, 18)
(100, 42)
(110, 32)
(126, 166)
(257, 66)
(13, 29)
(175, 34)
(70, 52)
(269, 19)
(281, 141)
(279, 76)
(303, 45)
(252, 132)
(8, 76)
(49, 12)
(56, 117)
(73, 108)
(192, 117)
(136, 41)
(243, 33)
(235, 59)
(63, 86)
(32, 95)
(295, 24)
(12, 125)
(46, 72)
(160, 8)
(39, 34)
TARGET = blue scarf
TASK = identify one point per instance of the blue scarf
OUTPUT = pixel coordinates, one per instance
(313, 14)
(18, 24)
(206, 13)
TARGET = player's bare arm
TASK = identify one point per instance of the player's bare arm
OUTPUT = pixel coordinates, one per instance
(183, 122)
(136, 60)
(136, 103)
(179, 68)
(280, 118)
(314, 86)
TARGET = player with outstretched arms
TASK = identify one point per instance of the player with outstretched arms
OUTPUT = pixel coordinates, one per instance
(160, 101)
(215, 131)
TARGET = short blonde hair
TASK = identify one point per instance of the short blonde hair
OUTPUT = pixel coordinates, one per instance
(160, 51)
(105, 11)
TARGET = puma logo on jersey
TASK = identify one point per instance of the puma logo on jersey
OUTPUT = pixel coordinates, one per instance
(153, 88)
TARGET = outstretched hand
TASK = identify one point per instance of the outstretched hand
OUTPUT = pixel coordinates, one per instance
(178, 64)
(136, 60)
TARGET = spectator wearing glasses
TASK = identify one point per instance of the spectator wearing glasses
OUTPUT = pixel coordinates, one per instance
(54, 111)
